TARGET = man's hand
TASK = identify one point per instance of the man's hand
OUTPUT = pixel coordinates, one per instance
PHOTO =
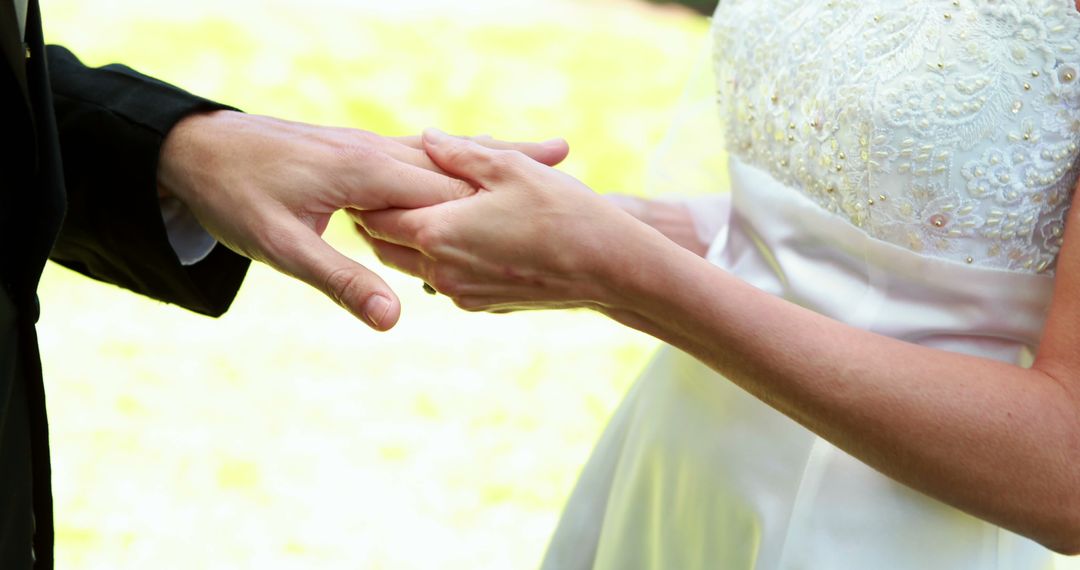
(266, 188)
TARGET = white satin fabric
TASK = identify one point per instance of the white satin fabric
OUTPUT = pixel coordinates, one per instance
(901, 166)
(693, 473)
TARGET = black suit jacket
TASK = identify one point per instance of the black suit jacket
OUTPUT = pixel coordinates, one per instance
(80, 187)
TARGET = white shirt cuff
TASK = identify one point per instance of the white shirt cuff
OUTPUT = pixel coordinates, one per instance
(191, 242)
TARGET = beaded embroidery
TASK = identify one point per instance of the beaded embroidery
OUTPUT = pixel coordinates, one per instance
(948, 127)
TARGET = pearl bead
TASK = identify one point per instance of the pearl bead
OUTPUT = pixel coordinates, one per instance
(981, 192)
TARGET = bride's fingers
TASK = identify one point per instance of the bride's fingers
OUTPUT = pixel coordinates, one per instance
(470, 161)
(411, 141)
(410, 155)
(549, 152)
(359, 228)
(476, 304)
(412, 262)
(401, 258)
(397, 226)
(404, 259)
(502, 305)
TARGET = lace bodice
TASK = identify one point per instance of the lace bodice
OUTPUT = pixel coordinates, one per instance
(948, 127)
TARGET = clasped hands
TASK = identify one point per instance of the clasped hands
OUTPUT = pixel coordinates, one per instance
(528, 237)
(485, 222)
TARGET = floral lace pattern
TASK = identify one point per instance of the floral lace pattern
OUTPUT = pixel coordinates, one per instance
(948, 127)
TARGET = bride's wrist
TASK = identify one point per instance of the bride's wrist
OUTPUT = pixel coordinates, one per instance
(631, 269)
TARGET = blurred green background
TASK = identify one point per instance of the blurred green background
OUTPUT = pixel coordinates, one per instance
(287, 435)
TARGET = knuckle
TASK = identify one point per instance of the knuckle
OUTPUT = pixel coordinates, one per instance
(517, 156)
(360, 152)
(367, 138)
(500, 160)
(507, 161)
(429, 237)
(342, 283)
(463, 152)
(456, 188)
(275, 242)
(473, 150)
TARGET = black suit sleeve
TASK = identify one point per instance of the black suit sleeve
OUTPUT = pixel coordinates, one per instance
(112, 122)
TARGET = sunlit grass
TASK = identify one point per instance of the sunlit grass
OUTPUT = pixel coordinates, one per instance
(286, 434)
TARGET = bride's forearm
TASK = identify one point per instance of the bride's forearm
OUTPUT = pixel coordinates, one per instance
(993, 439)
(996, 440)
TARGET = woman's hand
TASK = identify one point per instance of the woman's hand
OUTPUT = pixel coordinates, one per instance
(530, 238)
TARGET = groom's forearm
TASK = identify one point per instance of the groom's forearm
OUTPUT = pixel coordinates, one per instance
(112, 123)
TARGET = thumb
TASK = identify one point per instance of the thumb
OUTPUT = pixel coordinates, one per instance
(305, 256)
(467, 159)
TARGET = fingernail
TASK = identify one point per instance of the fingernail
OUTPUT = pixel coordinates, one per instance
(434, 136)
(553, 142)
(375, 309)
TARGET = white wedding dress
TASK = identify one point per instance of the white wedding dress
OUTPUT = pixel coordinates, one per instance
(903, 166)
